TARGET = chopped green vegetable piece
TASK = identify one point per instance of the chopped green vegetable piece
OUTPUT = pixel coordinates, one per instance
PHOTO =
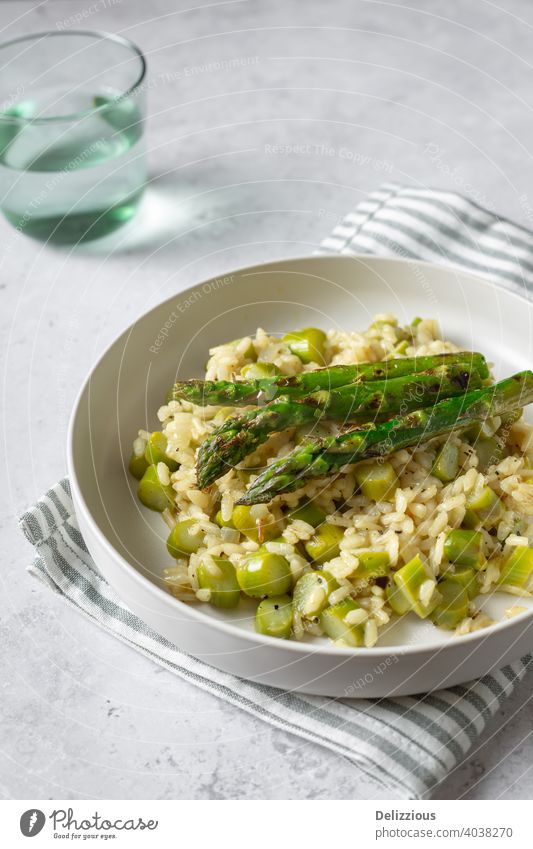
(446, 465)
(310, 513)
(264, 574)
(409, 580)
(333, 624)
(324, 545)
(182, 541)
(256, 371)
(377, 480)
(471, 520)
(489, 452)
(489, 426)
(486, 428)
(396, 598)
(152, 493)
(137, 465)
(307, 344)
(464, 548)
(416, 321)
(372, 564)
(484, 502)
(466, 576)
(401, 347)
(274, 617)
(254, 530)
(222, 523)
(453, 606)
(517, 569)
(312, 591)
(155, 451)
(218, 575)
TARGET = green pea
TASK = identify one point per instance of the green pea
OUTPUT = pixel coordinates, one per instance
(377, 480)
(312, 591)
(274, 617)
(218, 575)
(254, 530)
(152, 493)
(256, 371)
(308, 344)
(137, 465)
(464, 547)
(264, 574)
(452, 607)
(325, 544)
(310, 513)
(182, 541)
(333, 624)
(155, 451)
(446, 465)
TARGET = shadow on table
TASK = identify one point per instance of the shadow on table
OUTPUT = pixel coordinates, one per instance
(169, 210)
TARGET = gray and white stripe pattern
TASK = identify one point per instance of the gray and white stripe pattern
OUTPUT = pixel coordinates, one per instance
(437, 226)
(407, 744)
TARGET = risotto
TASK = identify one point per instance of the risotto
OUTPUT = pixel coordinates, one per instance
(337, 556)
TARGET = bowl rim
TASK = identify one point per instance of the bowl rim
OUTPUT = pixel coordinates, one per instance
(161, 595)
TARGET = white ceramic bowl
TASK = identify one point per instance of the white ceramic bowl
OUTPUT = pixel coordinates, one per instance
(128, 384)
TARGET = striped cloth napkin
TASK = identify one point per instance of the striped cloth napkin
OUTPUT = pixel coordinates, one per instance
(407, 744)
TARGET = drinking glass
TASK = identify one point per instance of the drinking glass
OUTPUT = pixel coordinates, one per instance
(72, 145)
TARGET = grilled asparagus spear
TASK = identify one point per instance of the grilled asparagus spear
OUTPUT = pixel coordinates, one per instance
(323, 456)
(240, 435)
(244, 392)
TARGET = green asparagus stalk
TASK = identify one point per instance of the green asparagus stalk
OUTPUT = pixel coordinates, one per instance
(320, 457)
(244, 392)
(240, 435)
